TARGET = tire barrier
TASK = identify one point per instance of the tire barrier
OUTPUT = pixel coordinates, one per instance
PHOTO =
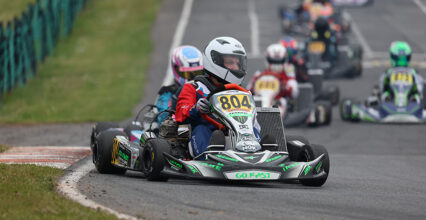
(26, 41)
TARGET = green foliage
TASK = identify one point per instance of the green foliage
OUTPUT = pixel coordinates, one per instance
(28, 192)
(96, 74)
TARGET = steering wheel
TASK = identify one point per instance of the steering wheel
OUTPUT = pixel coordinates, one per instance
(230, 86)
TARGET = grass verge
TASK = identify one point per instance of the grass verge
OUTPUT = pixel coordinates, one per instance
(96, 74)
(28, 192)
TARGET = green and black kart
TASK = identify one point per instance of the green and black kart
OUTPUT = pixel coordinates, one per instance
(234, 153)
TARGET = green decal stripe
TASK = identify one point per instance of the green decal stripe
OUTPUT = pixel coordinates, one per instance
(226, 158)
(176, 164)
(318, 166)
(214, 166)
(290, 166)
(193, 169)
(239, 114)
(307, 169)
(274, 158)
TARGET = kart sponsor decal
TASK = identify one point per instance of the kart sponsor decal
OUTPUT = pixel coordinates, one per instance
(252, 175)
(235, 103)
(285, 168)
(273, 158)
(307, 169)
(226, 158)
(123, 155)
(114, 153)
(214, 166)
(175, 164)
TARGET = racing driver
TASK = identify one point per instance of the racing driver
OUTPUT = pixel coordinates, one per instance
(225, 61)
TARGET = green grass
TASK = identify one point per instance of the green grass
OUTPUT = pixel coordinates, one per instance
(3, 148)
(96, 74)
(11, 8)
(28, 192)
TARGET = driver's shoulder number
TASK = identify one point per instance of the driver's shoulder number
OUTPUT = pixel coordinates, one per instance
(235, 102)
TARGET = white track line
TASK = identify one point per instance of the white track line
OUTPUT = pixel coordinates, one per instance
(68, 184)
(361, 39)
(177, 39)
(254, 26)
(421, 5)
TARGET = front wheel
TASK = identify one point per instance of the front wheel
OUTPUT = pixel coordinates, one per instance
(154, 160)
(316, 151)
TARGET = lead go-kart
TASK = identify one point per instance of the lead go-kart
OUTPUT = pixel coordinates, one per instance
(234, 153)
(400, 107)
(347, 64)
(306, 109)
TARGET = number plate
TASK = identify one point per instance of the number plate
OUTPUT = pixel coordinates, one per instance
(401, 77)
(231, 103)
(270, 84)
(316, 47)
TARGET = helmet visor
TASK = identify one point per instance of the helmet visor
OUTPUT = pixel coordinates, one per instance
(237, 64)
(189, 75)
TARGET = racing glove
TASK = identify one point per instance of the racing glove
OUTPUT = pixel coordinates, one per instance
(203, 106)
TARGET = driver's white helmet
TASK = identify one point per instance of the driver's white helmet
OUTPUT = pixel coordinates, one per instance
(223, 49)
(275, 57)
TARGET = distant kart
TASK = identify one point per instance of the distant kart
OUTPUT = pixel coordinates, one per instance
(347, 65)
(305, 110)
(299, 23)
(234, 153)
(399, 109)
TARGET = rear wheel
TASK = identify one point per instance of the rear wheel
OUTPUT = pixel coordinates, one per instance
(104, 145)
(153, 159)
(318, 150)
(96, 130)
(99, 127)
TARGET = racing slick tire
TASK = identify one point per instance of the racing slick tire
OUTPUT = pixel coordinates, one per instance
(316, 151)
(153, 159)
(102, 154)
(99, 127)
(296, 147)
(324, 109)
(424, 95)
(346, 110)
(331, 93)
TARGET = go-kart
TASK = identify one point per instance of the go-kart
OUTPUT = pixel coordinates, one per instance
(304, 110)
(347, 64)
(296, 21)
(234, 153)
(400, 107)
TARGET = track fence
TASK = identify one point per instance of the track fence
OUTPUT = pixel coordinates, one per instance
(26, 40)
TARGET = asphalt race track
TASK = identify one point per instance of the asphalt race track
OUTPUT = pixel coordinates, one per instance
(377, 171)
